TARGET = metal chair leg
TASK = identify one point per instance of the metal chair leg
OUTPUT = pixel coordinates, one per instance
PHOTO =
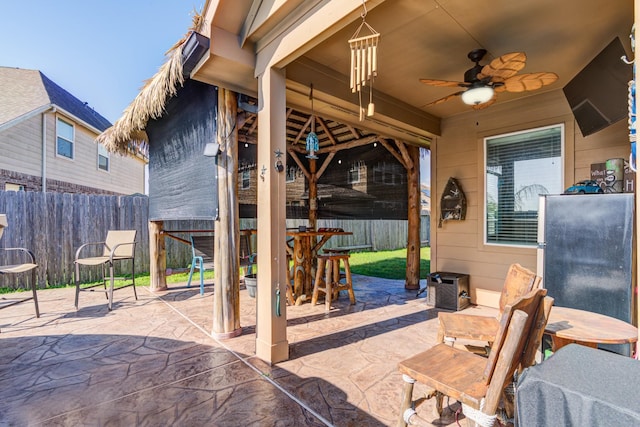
(133, 278)
(112, 279)
(76, 279)
(33, 289)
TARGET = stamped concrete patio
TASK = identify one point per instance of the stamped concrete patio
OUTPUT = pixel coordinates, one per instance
(153, 362)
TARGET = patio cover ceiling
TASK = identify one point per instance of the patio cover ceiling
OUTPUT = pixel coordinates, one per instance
(419, 39)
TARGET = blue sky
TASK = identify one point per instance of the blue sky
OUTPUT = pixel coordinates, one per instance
(99, 51)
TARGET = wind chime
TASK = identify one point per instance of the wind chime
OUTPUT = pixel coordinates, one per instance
(312, 138)
(364, 63)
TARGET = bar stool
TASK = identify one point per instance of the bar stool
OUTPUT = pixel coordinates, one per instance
(290, 299)
(328, 279)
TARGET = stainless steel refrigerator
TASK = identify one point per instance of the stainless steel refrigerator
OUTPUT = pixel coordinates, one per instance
(585, 253)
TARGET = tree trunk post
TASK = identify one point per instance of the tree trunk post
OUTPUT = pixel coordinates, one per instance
(413, 233)
(313, 194)
(157, 257)
(226, 295)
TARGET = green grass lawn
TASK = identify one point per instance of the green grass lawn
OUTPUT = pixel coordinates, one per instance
(383, 264)
(387, 264)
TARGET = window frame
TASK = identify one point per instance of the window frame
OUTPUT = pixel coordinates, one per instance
(70, 142)
(485, 172)
(10, 186)
(244, 180)
(355, 168)
(106, 155)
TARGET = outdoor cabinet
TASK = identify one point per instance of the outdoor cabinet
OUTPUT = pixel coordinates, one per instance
(449, 291)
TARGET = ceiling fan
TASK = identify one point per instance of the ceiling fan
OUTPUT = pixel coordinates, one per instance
(482, 83)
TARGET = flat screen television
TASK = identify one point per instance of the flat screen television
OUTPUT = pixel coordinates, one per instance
(598, 95)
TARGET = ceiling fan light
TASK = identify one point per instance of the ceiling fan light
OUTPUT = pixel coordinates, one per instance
(477, 95)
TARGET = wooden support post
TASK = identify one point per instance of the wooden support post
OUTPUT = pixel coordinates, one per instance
(313, 194)
(271, 316)
(413, 236)
(157, 257)
(226, 295)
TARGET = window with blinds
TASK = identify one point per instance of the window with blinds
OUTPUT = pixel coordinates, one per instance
(519, 167)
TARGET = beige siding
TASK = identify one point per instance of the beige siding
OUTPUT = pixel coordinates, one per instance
(126, 174)
(21, 145)
(21, 151)
(458, 245)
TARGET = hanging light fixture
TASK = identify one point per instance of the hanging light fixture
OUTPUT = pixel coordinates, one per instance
(478, 93)
(312, 138)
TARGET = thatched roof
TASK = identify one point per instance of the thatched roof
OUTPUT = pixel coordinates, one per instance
(127, 135)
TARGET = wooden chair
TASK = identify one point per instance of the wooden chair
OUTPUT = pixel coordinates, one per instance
(476, 381)
(519, 281)
(28, 264)
(120, 245)
(201, 257)
(248, 257)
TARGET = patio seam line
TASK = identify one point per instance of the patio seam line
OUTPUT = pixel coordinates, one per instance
(244, 360)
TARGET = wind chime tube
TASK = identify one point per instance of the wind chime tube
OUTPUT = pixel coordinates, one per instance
(358, 66)
(374, 65)
(363, 73)
(353, 71)
(369, 61)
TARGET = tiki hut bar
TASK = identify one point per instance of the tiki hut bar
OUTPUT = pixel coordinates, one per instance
(202, 138)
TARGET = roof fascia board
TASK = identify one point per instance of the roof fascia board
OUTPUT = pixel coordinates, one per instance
(249, 21)
(25, 116)
(78, 120)
(272, 17)
(210, 9)
(307, 28)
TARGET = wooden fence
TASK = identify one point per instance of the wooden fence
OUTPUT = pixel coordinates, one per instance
(54, 225)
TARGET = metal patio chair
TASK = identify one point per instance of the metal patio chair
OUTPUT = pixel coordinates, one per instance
(27, 263)
(120, 245)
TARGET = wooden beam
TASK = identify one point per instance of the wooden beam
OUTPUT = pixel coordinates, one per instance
(324, 127)
(304, 128)
(296, 159)
(325, 165)
(408, 163)
(353, 130)
(393, 152)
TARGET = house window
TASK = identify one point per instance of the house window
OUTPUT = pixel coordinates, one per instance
(519, 167)
(64, 140)
(103, 158)
(244, 179)
(291, 174)
(13, 187)
(354, 173)
(389, 174)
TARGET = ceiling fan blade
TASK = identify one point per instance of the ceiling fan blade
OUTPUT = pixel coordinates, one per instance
(446, 98)
(504, 66)
(443, 83)
(530, 81)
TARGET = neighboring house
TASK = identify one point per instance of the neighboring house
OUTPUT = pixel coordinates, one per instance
(47, 141)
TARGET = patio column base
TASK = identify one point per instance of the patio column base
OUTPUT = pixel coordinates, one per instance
(227, 335)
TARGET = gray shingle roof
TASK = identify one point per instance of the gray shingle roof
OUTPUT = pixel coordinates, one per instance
(22, 91)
